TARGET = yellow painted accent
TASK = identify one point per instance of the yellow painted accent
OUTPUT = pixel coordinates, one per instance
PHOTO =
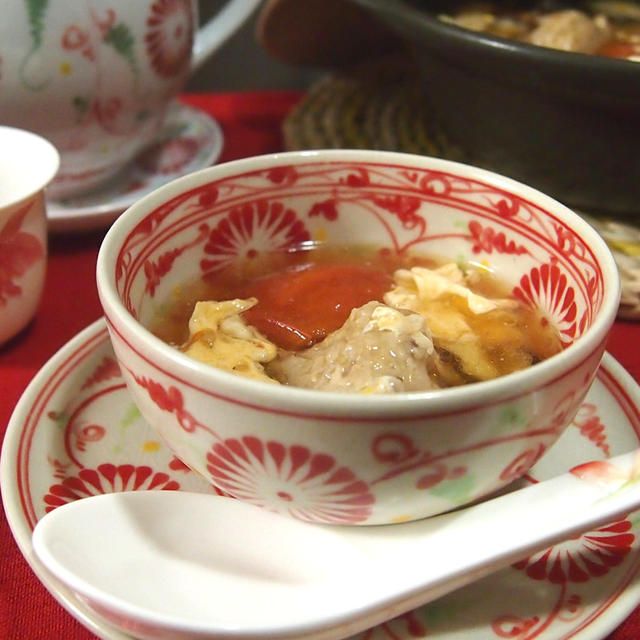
(150, 446)
(401, 519)
(66, 68)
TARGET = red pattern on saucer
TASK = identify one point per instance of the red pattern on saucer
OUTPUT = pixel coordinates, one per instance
(585, 579)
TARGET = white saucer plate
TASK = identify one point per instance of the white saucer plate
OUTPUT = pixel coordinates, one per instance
(76, 432)
(190, 140)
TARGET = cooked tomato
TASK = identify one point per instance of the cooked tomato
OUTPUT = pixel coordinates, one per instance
(300, 306)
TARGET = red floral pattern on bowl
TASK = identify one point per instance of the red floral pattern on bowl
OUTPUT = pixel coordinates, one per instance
(437, 451)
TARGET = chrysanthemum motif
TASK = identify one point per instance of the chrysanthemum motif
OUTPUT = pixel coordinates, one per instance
(169, 36)
(251, 228)
(289, 479)
(107, 478)
(590, 555)
(548, 289)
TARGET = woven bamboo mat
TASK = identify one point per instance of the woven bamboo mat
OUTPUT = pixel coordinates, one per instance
(375, 107)
(379, 107)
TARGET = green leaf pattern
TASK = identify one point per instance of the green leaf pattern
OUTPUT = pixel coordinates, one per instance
(131, 415)
(36, 10)
(30, 68)
(119, 36)
(456, 490)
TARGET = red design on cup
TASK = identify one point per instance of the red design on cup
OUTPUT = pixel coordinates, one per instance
(19, 250)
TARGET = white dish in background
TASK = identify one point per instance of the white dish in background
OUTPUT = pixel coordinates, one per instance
(75, 432)
(190, 140)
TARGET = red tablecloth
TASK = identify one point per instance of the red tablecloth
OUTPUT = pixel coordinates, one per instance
(251, 124)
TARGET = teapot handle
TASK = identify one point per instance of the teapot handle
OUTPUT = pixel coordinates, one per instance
(215, 32)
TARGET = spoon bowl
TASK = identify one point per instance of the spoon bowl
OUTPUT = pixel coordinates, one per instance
(187, 565)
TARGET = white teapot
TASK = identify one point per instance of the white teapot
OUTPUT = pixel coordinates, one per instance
(95, 77)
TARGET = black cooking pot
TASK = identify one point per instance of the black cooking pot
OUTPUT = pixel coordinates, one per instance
(565, 123)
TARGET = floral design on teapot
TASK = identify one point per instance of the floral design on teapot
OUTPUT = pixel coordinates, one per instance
(169, 36)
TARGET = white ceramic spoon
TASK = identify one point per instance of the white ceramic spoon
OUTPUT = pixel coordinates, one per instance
(160, 564)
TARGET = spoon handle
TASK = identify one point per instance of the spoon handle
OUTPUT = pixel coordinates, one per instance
(437, 555)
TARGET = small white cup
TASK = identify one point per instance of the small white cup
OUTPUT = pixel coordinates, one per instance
(27, 164)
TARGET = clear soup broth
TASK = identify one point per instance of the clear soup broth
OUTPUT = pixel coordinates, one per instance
(357, 318)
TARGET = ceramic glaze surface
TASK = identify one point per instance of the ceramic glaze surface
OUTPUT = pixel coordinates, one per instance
(338, 458)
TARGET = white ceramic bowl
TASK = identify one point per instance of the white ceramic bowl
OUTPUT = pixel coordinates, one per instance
(350, 458)
(28, 163)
